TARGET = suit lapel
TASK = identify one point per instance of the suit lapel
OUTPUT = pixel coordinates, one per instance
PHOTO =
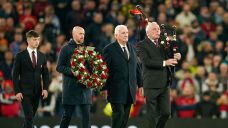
(38, 59)
(119, 50)
(27, 57)
(152, 45)
(130, 51)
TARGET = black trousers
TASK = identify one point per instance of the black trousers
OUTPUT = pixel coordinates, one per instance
(69, 110)
(30, 104)
(120, 115)
(158, 107)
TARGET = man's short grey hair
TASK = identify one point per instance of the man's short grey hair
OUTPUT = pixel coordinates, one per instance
(76, 28)
(149, 25)
(118, 27)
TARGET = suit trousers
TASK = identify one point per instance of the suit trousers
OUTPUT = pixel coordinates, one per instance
(120, 115)
(69, 110)
(30, 104)
(158, 107)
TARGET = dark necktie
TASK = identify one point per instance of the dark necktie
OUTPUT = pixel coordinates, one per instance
(125, 52)
(33, 59)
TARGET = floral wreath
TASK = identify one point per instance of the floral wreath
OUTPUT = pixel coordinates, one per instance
(99, 75)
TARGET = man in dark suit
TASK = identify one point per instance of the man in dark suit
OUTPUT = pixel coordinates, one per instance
(124, 75)
(74, 93)
(156, 76)
(29, 70)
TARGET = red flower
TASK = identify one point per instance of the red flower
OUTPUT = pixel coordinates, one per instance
(95, 76)
(87, 76)
(89, 84)
(99, 57)
(82, 69)
(73, 63)
(98, 84)
(79, 77)
(99, 67)
(83, 52)
(103, 63)
(106, 70)
(79, 60)
(76, 51)
(103, 76)
(95, 80)
(90, 52)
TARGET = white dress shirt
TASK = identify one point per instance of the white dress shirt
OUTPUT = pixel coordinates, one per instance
(30, 53)
(125, 48)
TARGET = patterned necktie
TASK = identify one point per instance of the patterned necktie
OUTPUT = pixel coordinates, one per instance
(33, 59)
(125, 52)
(156, 43)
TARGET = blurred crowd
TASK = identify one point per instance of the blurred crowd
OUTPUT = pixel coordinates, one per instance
(200, 89)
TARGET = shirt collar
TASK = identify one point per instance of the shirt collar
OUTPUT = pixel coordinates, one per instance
(153, 41)
(123, 45)
(30, 50)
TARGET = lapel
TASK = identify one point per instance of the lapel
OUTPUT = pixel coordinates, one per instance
(27, 57)
(119, 50)
(38, 64)
(152, 45)
(130, 51)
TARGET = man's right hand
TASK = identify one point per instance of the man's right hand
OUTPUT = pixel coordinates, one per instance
(19, 96)
(141, 91)
(104, 94)
(170, 62)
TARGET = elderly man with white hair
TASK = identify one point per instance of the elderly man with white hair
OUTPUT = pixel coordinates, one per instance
(124, 76)
(157, 76)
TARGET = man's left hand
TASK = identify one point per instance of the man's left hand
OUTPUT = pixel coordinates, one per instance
(104, 94)
(44, 94)
(177, 56)
(141, 91)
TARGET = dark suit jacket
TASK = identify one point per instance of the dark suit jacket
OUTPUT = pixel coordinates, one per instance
(152, 57)
(26, 79)
(73, 91)
(123, 74)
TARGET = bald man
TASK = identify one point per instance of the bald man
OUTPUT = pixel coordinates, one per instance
(157, 76)
(74, 93)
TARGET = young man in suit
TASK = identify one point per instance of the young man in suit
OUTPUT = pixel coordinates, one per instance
(157, 75)
(124, 76)
(74, 93)
(29, 70)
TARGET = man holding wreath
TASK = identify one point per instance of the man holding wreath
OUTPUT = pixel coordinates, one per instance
(74, 93)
